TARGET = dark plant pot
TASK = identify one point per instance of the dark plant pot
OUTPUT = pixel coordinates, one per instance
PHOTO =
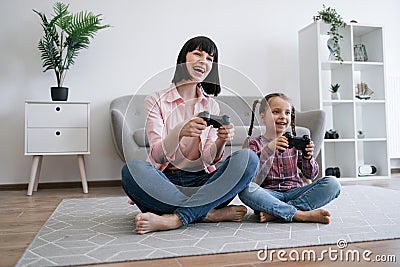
(59, 93)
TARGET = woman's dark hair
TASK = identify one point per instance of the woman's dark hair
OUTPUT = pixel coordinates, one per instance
(264, 104)
(210, 84)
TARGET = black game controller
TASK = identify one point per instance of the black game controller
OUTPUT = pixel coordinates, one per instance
(299, 143)
(214, 120)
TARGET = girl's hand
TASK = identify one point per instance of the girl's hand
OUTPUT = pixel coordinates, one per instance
(309, 150)
(193, 128)
(280, 143)
(226, 132)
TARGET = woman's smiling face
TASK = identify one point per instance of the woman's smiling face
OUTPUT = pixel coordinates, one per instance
(199, 64)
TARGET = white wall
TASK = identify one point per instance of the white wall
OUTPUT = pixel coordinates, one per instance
(257, 38)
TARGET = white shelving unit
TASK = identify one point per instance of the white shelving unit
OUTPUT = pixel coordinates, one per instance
(349, 114)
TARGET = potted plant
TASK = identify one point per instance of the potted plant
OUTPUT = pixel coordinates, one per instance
(64, 35)
(331, 17)
(360, 134)
(335, 95)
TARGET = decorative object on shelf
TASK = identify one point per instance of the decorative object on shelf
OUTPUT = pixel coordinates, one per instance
(360, 53)
(363, 91)
(332, 171)
(353, 21)
(335, 95)
(63, 38)
(360, 134)
(331, 134)
(366, 170)
(331, 48)
(331, 17)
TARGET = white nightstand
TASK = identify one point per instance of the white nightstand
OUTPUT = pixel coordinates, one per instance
(56, 128)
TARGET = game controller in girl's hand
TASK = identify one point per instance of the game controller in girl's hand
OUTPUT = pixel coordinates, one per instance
(214, 120)
(299, 143)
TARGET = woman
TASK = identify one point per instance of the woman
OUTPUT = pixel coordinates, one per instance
(180, 184)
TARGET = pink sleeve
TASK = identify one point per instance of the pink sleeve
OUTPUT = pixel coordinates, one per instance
(156, 132)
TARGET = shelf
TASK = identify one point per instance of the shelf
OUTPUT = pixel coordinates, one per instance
(349, 114)
(362, 102)
(332, 65)
(362, 30)
(337, 102)
(362, 178)
(371, 139)
(339, 140)
(363, 65)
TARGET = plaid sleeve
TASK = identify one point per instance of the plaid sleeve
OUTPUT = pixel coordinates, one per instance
(309, 167)
(255, 146)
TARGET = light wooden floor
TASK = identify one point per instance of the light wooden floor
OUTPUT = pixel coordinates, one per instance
(21, 217)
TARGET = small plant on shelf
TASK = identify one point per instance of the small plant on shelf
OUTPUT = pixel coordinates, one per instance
(331, 17)
(335, 95)
(360, 134)
(335, 88)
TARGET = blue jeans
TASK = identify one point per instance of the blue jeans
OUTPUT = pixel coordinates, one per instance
(190, 195)
(283, 205)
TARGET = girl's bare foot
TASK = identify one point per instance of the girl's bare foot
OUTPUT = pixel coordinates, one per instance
(150, 222)
(231, 213)
(266, 217)
(320, 215)
(130, 201)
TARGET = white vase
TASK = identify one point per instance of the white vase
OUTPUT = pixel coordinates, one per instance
(335, 96)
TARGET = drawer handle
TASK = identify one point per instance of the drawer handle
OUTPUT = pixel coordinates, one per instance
(58, 108)
(58, 133)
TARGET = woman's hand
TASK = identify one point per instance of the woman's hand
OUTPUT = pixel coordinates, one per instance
(226, 132)
(309, 150)
(193, 128)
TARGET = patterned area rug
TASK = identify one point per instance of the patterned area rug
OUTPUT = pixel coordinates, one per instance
(101, 230)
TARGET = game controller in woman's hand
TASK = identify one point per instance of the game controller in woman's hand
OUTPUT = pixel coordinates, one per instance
(215, 120)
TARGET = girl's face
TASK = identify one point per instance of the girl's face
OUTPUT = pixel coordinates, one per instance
(199, 64)
(278, 116)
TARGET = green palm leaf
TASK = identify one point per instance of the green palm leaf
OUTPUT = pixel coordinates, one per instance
(64, 36)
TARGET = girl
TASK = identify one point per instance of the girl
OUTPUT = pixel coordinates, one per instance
(180, 184)
(281, 194)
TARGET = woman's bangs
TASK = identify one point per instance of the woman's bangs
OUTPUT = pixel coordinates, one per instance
(203, 44)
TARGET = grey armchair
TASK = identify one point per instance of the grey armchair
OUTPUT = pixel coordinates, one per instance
(128, 117)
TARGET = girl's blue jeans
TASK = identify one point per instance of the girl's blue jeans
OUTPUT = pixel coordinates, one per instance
(190, 195)
(283, 205)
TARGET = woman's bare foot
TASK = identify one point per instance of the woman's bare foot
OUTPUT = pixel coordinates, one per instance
(266, 217)
(130, 201)
(231, 213)
(150, 222)
(320, 215)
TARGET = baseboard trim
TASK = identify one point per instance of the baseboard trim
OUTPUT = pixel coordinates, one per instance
(109, 183)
